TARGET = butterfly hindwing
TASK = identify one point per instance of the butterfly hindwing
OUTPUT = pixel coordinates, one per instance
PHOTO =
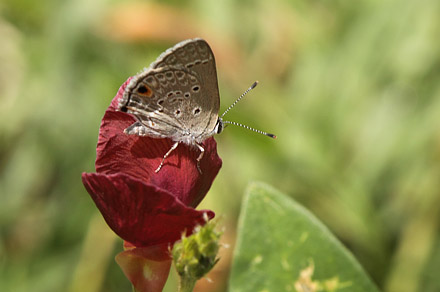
(196, 56)
(177, 96)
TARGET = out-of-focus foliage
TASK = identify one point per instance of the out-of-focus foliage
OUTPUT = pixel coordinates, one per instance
(351, 88)
(307, 256)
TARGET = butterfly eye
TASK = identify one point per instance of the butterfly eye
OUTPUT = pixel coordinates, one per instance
(219, 126)
(144, 90)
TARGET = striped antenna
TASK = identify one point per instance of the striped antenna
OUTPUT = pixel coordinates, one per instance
(249, 128)
(241, 125)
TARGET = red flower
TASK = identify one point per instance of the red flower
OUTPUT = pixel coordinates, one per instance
(145, 208)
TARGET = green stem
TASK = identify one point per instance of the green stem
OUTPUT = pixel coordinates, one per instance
(186, 284)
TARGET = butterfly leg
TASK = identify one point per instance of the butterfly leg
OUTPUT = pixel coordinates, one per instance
(166, 155)
(202, 152)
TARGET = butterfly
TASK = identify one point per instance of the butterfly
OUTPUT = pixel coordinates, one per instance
(177, 97)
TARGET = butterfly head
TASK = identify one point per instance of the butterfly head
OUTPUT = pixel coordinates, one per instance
(221, 124)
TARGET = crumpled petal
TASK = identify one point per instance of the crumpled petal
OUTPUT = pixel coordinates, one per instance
(139, 213)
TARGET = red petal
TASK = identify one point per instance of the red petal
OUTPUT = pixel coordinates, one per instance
(147, 268)
(142, 214)
(140, 156)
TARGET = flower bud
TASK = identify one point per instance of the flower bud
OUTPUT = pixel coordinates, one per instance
(194, 256)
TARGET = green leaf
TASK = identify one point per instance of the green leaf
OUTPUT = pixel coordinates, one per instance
(282, 247)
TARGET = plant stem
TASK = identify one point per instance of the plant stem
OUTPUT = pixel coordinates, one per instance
(186, 284)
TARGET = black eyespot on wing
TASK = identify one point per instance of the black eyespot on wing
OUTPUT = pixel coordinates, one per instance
(195, 88)
(196, 111)
(142, 89)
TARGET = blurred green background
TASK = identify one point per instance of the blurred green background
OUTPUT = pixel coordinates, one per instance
(351, 88)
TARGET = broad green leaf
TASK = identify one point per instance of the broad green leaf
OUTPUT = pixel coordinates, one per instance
(282, 247)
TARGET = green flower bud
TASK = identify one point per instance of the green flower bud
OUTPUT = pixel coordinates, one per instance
(194, 256)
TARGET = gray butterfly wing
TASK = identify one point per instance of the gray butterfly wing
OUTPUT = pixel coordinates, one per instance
(146, 97)
(164, 101)
(196, 56)
(177, 96)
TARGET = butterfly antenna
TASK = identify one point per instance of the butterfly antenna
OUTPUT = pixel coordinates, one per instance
(241, 125)
(238, 99)
(249, 128)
